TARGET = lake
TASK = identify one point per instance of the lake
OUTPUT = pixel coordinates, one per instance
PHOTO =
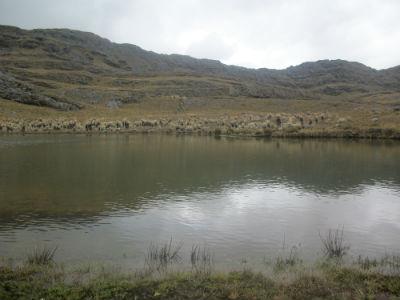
(108, 197)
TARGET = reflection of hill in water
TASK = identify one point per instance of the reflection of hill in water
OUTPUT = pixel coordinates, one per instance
(77, 176)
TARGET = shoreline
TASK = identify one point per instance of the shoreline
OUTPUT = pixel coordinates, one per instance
(303, 136)
(164, 276)
(285, 278)
(265, 126)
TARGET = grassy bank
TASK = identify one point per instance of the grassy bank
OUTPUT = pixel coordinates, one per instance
(245, 125)
(284, 277)
(328, 280)
(366, 118)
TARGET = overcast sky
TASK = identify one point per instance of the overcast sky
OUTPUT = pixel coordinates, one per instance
(251, 33)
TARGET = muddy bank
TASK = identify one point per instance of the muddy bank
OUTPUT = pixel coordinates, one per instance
(262, 125)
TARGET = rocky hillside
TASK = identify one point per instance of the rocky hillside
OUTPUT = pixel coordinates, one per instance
(67, 70)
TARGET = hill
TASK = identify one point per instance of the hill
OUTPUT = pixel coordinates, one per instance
(69, 70)
(40, 63)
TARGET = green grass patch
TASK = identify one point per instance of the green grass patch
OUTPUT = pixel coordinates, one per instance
(328, 281)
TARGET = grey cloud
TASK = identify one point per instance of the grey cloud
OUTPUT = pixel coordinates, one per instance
(212, 46)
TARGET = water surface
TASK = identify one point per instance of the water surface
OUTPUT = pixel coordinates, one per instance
(106, 198)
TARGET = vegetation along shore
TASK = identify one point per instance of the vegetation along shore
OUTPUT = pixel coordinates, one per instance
(163, 276)
(268, 125)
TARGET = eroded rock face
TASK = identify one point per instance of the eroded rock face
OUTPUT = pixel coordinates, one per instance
(12, 89)
(114, 103)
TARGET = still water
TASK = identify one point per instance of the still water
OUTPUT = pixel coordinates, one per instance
(106, 198)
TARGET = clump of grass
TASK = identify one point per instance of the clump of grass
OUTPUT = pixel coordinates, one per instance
(290, 260)
(285, 258)
(201, 259)
(389, 263)
(367, 263)
(392, 262)
(159, 257)
(333, 244)
(42, 256)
